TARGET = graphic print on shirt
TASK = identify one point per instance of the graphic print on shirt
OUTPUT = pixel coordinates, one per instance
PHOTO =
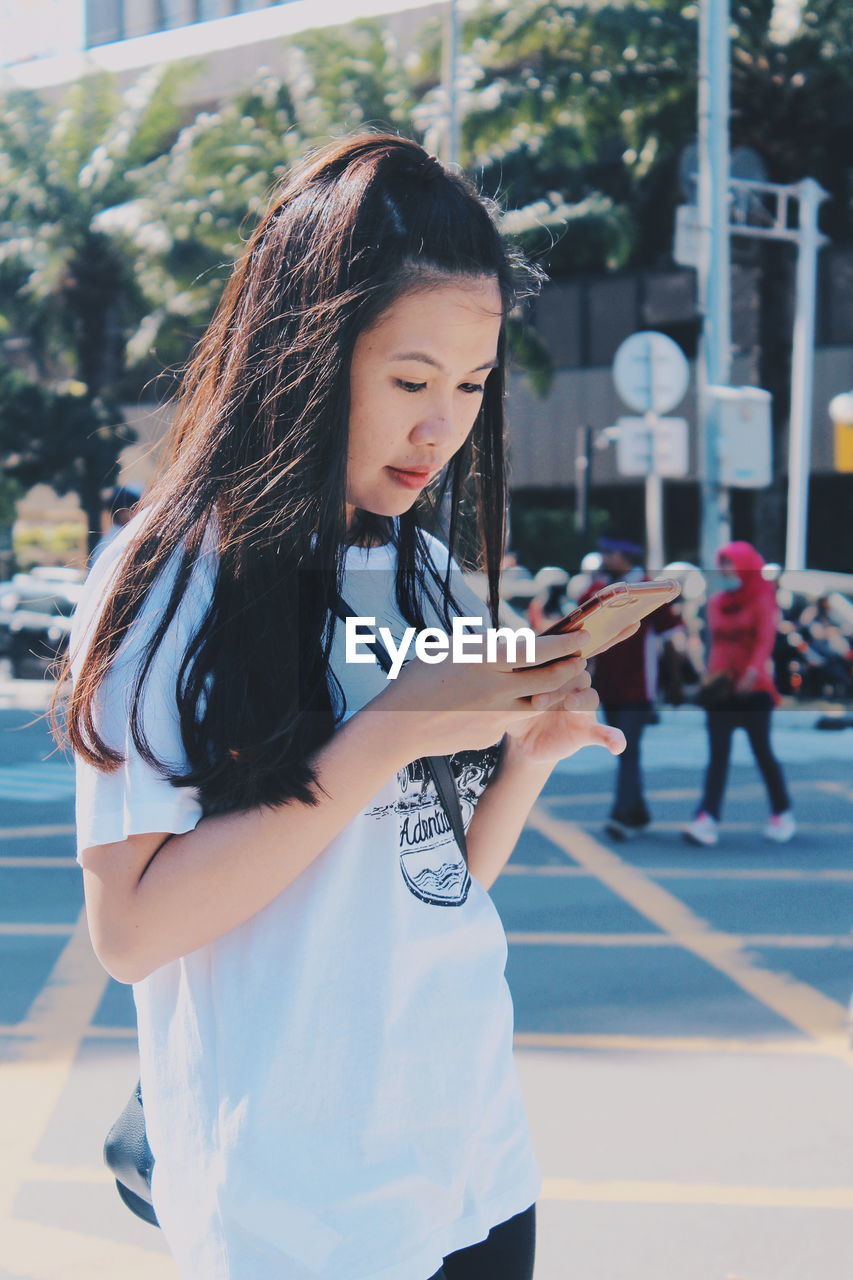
(431, 861)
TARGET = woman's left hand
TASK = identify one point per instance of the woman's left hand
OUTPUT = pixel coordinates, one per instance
(564, 721)
(564, 728)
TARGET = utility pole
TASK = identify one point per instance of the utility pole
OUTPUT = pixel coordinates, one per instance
(802, 367)
(583, 467)
(713, 267)
(654, 501)
(451, 62)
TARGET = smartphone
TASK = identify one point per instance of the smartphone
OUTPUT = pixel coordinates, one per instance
(614, 608)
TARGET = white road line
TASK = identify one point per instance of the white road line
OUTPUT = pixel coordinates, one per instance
(802, 942)
(30, 833)
(706, 1194)
(36, 930)
(792, 1047)
(800, 874)
(94, 1032)
(34, 862)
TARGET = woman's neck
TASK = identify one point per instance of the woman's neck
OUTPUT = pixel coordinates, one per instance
(360, 534)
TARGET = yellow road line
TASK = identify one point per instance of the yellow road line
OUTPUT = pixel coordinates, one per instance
(793, 1047)
(32, 1083)
(804, 942)
(801, 1005)
(707, 1194)
(42, 1252)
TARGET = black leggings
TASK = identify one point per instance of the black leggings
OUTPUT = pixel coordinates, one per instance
(754, 717)
(506, 1253)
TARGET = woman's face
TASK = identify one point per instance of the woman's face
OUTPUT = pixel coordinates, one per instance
(416, 387)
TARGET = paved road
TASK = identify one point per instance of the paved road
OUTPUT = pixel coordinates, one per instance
(680, 1019)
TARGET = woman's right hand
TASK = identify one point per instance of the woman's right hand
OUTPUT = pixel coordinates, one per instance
(448, 706)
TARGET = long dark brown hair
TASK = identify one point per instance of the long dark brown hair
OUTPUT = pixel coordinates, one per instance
(258, 453)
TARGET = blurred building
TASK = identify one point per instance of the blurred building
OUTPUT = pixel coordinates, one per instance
(583, 321)
(45, 44)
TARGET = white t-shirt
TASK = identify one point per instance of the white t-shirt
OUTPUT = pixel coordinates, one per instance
(329, 1088)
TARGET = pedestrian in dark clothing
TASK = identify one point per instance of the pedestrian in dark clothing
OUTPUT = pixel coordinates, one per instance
(625, 679)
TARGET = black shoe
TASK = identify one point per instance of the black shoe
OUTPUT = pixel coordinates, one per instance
(620, 830)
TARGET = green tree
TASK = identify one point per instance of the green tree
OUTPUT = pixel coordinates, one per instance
(58, 436)
(578, 114)
(67, 287)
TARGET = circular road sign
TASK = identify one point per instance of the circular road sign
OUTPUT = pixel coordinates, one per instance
(650, 372)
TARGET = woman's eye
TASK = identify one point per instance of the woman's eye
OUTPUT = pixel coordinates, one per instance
(472, 388)
(410, 386)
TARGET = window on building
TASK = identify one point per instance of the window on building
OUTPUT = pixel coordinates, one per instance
(245, 6)
(104, 21)
(170, 13)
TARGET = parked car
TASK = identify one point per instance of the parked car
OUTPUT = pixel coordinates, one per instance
(35, 622)
(13, 592)
(57, 573)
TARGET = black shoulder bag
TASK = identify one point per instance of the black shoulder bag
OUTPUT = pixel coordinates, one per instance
(126, 1150)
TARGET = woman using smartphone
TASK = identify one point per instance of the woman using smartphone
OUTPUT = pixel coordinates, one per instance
(325, 1031)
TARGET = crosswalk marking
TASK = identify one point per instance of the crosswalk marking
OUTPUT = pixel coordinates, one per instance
(700, 1193)
(41, 780)
(36, 863)
(35, 833)
(794, 1046)
(32, 1083)
(18, 929)
(737, 791)
(803, 942)
(801, 874)
(95, 1032)
(38, 1251)
(798, 1003)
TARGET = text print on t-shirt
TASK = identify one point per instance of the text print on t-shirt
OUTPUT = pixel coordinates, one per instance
(431, 862)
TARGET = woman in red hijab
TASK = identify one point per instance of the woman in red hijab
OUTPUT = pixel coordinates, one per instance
(742, 621)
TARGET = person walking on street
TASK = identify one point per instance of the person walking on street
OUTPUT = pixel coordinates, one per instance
(324, 1025)
(739, 692)
(625, 679)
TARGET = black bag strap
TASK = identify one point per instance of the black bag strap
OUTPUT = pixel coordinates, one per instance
(439, 766)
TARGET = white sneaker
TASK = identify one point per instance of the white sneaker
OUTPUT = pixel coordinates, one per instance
(702, 830)
(781, 827)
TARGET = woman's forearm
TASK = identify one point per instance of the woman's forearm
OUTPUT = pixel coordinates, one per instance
(203, 883)
(502, 811)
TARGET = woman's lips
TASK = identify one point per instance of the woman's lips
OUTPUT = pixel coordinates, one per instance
(410, 479)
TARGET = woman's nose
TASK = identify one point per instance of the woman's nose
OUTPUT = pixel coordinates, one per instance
(436, 424)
